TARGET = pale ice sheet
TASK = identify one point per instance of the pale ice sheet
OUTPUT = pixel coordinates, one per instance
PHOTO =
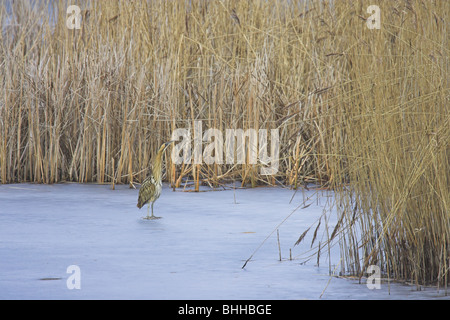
(195, 251)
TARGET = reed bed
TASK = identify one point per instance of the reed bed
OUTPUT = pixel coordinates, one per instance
(393, 146)
(362, 111)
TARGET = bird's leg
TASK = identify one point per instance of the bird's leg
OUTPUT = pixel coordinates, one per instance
(148, 211)
(150, 217)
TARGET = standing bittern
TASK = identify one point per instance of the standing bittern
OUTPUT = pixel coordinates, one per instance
(151, 187)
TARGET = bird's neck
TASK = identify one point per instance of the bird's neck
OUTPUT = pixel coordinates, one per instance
(157, 166)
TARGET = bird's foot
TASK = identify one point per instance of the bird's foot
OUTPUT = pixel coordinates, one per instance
(152, 218)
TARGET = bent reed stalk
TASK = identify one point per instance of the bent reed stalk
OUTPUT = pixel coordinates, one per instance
(363, 111)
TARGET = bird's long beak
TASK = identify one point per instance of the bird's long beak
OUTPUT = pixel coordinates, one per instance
(169, 143)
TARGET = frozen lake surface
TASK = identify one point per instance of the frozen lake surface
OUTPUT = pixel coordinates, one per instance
(195, 251)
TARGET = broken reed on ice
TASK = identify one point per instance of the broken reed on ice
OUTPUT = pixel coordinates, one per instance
(362, 110)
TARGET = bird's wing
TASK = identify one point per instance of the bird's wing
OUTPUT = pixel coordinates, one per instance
(146, 191)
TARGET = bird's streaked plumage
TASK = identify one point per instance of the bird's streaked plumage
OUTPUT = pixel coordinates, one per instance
(152, 185)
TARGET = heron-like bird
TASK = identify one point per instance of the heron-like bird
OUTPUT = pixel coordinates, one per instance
(151, 187)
